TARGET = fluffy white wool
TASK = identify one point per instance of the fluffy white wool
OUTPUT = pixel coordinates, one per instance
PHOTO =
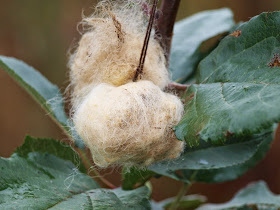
(110, 49)
(129, 125)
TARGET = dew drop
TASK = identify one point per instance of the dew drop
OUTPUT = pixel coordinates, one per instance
(203, 162)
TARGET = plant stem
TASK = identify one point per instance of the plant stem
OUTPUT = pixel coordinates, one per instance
(165, 24)
(96, 173)
(180, 195)
(140, 67)
(178, 86)
(182, 192)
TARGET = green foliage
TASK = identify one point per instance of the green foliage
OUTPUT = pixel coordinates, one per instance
(216, 164)
(228, 117)
(254, 196)
(224, 174)
(42, 90)
(41, 174)
(40, 180)
(189, 35)
(120, 199)
(187, 203)
(134, 177)
(238, 92)
(50, 146)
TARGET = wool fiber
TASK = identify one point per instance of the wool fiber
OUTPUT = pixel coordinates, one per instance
(129, 125)
(110, 49)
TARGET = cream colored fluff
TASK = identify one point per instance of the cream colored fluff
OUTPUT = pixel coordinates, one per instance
(109, 51)
(129, 125)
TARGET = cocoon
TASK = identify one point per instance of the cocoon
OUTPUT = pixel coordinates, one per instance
(129, 125)
(110, 49)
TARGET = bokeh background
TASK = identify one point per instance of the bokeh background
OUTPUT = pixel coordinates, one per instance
(42, 32)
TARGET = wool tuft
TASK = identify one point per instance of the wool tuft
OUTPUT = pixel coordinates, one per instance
(110, 49)
(129, 125)
(122, 122)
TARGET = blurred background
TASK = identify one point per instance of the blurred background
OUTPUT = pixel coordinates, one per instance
(41, 33)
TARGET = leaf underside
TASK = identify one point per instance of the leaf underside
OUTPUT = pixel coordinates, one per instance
(43, 91)
(189, 35)
(216, 164)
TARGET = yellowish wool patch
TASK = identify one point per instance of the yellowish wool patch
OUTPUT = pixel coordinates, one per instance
(110, 50)
(129, 125)
(122, 122)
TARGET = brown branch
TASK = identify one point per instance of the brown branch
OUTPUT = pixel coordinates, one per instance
(140, 67)
(178, 86)
(165, 24)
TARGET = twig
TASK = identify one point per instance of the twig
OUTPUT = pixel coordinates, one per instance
(182, 192)
(165, 24)
(180, 195)
(178, 86)
(140, 67)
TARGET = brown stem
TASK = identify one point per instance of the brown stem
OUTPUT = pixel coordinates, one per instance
(165, 24)
(140, 67)
(178, 86)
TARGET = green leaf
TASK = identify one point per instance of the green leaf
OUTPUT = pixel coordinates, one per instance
(134, 177)
(41, 175)
(40, 180)
(189, 34)
(254, 196)
(42, 90)
(246, 58)
(118, 199)
(187, 202)
(239, 92)
(50, 146)
(216, 111)
(216, 164)
(232, 172)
